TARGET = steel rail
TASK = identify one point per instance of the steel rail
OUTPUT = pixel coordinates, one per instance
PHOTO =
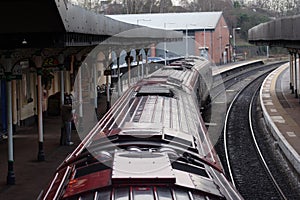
(225, 126)
(225, 133)
(258, 149)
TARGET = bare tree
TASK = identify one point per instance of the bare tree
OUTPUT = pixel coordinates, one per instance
(204, 5)
(140, 6)
(281, 7)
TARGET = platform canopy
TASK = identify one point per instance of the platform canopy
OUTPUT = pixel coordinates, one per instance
(58, 24)
(173, 21)
(282, 32)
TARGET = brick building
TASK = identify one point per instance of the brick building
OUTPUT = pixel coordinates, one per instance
(204, 30)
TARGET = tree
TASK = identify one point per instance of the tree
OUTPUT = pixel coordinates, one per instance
(204, 5)
(248, 18)
(165, 5)
(139, 6)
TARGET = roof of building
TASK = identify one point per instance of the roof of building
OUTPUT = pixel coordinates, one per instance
(173, 21)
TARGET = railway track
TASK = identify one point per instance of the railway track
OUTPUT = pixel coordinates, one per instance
(222, 93)
(278, 164)
(222, 83)
(246, 164)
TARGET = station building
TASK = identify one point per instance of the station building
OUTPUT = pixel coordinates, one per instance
(207, 33)
(202, 30)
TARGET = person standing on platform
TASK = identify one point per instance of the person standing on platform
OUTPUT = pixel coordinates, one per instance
(67, 115)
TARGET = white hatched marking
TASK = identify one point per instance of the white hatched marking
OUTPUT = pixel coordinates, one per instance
(267, 100)
(230, 90)
(219, 102)
(268, 103)
(210, 124)
(266, 88)
(273, 110)
(278, 119)
(266, 95)
(291, 134)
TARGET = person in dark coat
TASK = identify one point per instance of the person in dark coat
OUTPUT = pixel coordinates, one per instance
(67, 115)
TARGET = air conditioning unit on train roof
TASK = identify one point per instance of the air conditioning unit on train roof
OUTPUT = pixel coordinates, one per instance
(158, 90)
(149, 167)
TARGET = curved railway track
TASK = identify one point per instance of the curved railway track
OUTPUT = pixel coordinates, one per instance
(221, 96)
(247, 167)
(276, 161)
(226, 82)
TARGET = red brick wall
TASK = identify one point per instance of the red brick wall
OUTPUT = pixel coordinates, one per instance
(216, 41)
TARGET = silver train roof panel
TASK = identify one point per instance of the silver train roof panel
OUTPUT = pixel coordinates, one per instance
(147, 193)
(148, 146)
(148, 167)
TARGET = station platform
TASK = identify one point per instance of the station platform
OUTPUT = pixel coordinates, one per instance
(32, 176)
(234, 65)
(281, 110)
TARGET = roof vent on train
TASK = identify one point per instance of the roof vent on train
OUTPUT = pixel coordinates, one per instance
(174, 67)
(188, 65)
(181, 65)
(152, 167)
(177, 65)
(152, 90)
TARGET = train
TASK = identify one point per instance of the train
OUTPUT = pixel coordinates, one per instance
(151, 145)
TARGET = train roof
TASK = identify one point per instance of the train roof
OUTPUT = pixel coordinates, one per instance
(146, 192)
(163, 106)
(131, 174)
(152, 144)
(182, 72)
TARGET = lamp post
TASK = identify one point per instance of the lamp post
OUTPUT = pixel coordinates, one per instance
(220, 48)
(204, 39)
(186, 39)
(204, 35)
(165, 44)
(234, 47)
(138, 20)
(230, 49)
(220, 38)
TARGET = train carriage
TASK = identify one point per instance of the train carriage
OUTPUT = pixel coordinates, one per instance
(152, 144)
